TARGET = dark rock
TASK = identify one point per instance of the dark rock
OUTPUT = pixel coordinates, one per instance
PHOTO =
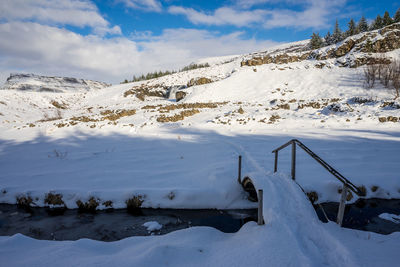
(180, 95)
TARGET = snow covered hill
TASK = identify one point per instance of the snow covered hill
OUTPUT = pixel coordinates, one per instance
(36, 83)
(76, 140)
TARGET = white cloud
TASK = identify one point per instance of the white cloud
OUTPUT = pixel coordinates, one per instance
(250, 3)
(312, 13)
(36, 48)
(149, 5)
(33, 41)
(182, 46)
(80, 13)
(317, 14)
(221, 16)
(48, 50)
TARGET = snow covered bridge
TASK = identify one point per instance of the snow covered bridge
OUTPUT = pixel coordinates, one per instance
(256, 194)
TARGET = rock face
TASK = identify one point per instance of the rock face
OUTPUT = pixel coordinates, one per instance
(278, 59)
(36, 83)
(380, 41)
(199, 81)
(179, 96)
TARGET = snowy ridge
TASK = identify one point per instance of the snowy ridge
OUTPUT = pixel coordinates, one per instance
(37, 83)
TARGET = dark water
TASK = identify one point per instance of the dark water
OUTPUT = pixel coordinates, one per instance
(42, 223)
(363, 214)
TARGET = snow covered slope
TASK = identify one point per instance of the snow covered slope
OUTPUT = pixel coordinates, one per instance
(136, 140)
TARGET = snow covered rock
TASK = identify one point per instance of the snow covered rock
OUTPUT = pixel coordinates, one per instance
(37, 83)
(390, 217)
(354, 51)
(152, 226)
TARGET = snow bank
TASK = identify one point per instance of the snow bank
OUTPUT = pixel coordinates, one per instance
(292, 235)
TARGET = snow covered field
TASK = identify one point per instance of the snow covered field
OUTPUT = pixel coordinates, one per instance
(79, 153)
(71, 144)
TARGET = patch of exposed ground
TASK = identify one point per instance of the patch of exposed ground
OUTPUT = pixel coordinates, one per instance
(178, 117)
(144, 90)
(59, 105)
(113, 115)
(189, 109)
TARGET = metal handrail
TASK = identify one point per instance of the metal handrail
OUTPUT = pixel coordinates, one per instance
(334, 172)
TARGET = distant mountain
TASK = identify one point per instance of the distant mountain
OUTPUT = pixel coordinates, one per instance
(37, 83)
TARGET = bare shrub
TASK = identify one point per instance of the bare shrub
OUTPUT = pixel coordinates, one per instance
(88, 206)
(54, 200)
(386, 75)
(395, 77)
(370, 75)
(24, 202)
(46, 117)
(133, 204)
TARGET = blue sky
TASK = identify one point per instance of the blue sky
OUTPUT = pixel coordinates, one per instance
(112, 40)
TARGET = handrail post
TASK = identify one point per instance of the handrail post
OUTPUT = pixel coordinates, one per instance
(294, 160)
(342, 205)
(260, 217)
(240, 169)
(276, 161)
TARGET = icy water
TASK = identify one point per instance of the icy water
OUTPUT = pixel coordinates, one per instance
(363, 214)
(42, 223)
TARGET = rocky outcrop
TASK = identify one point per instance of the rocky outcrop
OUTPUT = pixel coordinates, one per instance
(37, 83)
(382, 41)
(145, 90)
(369, 61)
(390, 42)
(393, 27)
(344, 48)
(199, 81)
(278, 59)
(179, 96)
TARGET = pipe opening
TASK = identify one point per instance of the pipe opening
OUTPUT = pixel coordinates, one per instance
(248, 186)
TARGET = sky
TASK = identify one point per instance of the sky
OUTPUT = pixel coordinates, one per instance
(112, 40)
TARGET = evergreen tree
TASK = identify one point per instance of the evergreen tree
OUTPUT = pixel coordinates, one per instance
(387, 20)
(368, 45)
(352, 28)
(328, 38)
(316, 41)
(362, 25)
(378, 23)
(337, 35)
(397, 16)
